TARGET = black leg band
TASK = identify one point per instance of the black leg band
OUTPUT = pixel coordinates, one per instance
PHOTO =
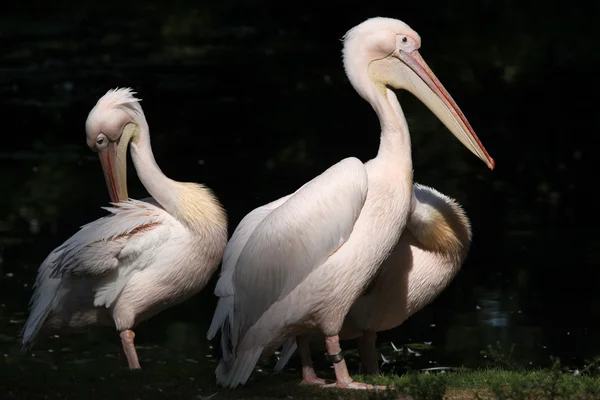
(335, 358)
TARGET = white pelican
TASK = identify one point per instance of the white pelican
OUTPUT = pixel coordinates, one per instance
(298, 264)
(428, 255)
(144, 257)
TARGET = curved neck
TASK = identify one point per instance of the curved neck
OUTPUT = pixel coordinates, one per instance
(395, 138)
(368, 79)
(162, 188)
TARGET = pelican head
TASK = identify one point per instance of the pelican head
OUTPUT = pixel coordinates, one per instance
(110, 126)
(386, 50)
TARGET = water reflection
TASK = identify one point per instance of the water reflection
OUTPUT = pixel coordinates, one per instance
(489, 311)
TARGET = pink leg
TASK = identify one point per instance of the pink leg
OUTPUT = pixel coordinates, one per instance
(309, 377)
(129, 349)
(367, 351)
(343, 379)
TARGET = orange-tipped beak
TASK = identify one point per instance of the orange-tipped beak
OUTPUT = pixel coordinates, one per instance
(430, 91)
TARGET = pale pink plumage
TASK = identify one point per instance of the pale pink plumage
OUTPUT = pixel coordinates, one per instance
(297, 265)
(144, 257)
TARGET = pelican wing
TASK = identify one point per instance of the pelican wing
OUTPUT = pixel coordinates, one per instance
(237, 242)
(101, 245)
(296, 238)
(109, 248)
(224, 288)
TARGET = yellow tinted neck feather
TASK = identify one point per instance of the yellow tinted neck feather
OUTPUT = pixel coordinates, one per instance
(198, 208)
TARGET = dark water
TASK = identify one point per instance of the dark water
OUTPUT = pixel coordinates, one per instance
(250, 98)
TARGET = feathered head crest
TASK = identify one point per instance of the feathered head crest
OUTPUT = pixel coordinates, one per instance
(120, 97)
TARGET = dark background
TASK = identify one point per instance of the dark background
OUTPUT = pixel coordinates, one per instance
(250, 98)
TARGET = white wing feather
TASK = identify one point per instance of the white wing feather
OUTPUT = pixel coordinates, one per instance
(109, 248)
(97, 247)
(224, 288)
(296, 238)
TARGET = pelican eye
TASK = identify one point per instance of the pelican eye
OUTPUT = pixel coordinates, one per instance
(101, 141)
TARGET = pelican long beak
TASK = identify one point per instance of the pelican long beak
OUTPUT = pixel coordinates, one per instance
(426, 87)
(114, 164)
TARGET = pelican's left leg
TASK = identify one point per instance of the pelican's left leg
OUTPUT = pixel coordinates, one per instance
(309, 377)
(129, 348)
(367, 350)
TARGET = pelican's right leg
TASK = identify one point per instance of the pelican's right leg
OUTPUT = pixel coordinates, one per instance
(367, 350)
(309, 377)
(343, 378)
(129, 348)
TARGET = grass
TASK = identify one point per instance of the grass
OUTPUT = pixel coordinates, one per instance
(108, 379)
(91, 369)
